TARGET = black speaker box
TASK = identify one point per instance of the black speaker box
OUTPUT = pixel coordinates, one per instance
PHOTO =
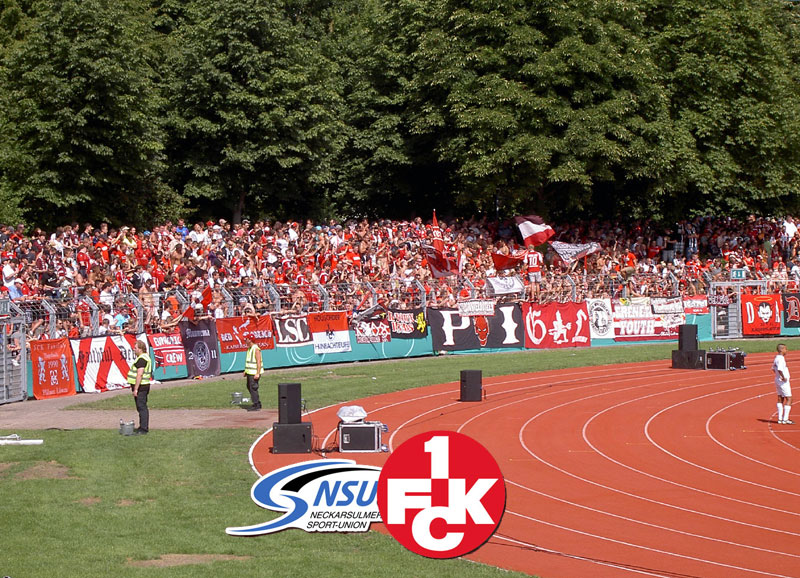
(689, 359)
(471, 385)
(288, 403)
(291, 438)
(687, 338)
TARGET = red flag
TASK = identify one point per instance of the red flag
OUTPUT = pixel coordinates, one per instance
(436, 233)
(206, 296)
(189, 313)
(440, 265)
(502, 262)
(534, 230)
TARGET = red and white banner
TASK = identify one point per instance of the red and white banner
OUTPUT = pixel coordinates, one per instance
(167, 349)
(233, 331)
(329, 332)
(761, 314)
(51, 360)
(374, 329)
(556, 325)
(697, 305)
(103, 362)
(634, 320)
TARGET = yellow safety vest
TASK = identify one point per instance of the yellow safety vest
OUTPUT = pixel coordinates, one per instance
(250, 362)
(147, 376)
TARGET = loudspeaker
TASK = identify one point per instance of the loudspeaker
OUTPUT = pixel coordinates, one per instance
(291, 438)
(288, 403)
(471, 385)
(688, 359)
(687, 338)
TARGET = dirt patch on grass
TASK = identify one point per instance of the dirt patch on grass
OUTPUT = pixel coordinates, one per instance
(126, 503)
(91, 501)
(168, 560)
(45, 471)
(6, 465)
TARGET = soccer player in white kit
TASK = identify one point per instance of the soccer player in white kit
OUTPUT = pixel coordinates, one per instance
(782, 385)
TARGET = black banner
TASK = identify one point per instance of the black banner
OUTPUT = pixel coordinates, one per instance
(791, 310)
(408, 323)
(452, 332)
(200, 344)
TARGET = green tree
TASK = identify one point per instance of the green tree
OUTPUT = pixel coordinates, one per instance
(730, 71)
(254, 110)
(533, 104)
(79, 129)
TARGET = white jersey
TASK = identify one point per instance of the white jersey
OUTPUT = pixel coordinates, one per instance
(778, 366)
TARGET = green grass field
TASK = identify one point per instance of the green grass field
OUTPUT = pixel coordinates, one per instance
(91, 503)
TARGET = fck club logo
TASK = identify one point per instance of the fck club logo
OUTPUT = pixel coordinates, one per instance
(441, 494)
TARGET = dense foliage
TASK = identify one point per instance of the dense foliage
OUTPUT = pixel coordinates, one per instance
(141, 110)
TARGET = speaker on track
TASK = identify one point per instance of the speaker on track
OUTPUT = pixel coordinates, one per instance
(471, 385)
(687, 338)
(689, 359)
(291, 438)
(288, 403)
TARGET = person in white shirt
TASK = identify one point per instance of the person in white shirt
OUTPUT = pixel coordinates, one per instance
(782, 385)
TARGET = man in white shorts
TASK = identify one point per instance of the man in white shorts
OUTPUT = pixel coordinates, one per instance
(782, 385)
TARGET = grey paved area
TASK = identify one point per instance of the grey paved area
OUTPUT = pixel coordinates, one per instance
(51, 413)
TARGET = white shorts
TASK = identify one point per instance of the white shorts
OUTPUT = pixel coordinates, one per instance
(784, 389)
(535, 277)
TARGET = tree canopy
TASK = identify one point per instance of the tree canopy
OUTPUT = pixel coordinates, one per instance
(141, 110)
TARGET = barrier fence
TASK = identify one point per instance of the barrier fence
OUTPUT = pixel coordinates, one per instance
(364, 321)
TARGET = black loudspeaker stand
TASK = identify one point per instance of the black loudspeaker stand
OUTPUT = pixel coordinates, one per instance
(689, 359)
(687, 338)
(291, 438)
(288, 403)
(471, 385)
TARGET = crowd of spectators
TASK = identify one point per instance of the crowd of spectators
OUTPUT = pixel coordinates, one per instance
(257, 260)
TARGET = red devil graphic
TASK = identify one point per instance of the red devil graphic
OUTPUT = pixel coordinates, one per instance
(482, 329)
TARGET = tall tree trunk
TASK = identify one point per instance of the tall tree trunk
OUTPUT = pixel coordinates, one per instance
(238, 208)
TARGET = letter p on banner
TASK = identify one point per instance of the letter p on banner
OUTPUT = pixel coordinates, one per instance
(441, 494)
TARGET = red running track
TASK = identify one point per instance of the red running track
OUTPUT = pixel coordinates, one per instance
(625, 470)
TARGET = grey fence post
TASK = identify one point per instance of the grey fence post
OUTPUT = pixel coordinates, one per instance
(52, 313)
(326, 298)
(573, 291)
(275, 297)
(228, 302)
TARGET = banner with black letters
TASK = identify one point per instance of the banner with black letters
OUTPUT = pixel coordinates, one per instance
(450, 331)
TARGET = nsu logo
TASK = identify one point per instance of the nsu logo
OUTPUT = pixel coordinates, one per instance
(317, 496)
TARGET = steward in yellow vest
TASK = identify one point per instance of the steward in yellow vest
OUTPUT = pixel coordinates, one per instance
(252, 371)
(140, 376)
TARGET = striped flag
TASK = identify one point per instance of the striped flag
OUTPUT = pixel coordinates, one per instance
(534, 230)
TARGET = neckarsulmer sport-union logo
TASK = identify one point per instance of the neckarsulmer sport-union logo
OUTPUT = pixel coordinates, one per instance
(441, 494)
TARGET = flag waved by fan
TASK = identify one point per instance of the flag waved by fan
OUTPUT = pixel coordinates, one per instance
(534, 230)
(440, 264)
(571, 252)
(503, 262)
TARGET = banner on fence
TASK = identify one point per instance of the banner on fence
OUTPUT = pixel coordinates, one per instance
(291, 330)
(329, 332)
(696, 305)
(556, 325)
(167, 349)
(200, 345)
(761, 314)
(791, 310)
(504, 286)
(373, 329)
(233, 332)
(634, 320)
(667, 305)
(51, 360)
(408, 323)
(476, 307)
(719, 300)
(601, 318)
(452, 332)
(103, 362)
